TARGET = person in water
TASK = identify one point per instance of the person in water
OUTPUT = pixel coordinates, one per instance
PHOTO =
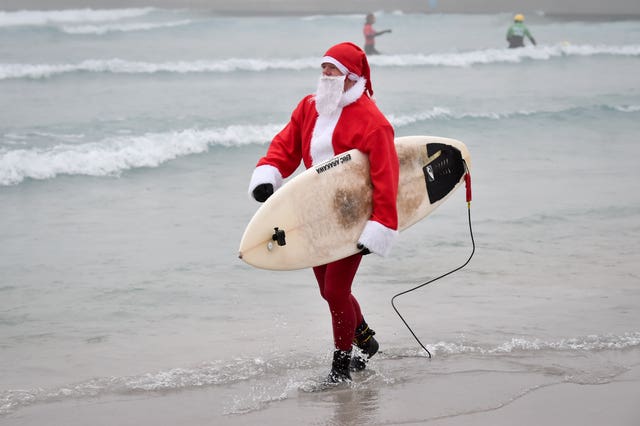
(340, 116)
(517, 32)
(370, 35)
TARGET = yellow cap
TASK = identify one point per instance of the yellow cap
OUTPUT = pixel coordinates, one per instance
(519, 17)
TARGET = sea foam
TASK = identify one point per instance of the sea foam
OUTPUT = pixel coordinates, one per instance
(41, 17)
(133, 26)
(454, 59)
(225, 373)
(113, 155)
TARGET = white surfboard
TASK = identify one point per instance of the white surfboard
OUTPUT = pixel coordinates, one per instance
(318, 216)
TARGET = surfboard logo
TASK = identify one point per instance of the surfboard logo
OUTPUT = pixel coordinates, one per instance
(334, 162)
(430, 176)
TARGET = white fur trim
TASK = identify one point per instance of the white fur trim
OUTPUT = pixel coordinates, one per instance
(354, 93)
(321, 140)
(344, 70)
(265, 174)
(378, 238)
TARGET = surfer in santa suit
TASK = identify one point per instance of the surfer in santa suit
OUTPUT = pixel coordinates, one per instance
(340, 116)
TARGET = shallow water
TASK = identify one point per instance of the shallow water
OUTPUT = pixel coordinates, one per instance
(127, 139)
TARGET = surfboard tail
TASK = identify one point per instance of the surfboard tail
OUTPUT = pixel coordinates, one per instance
(444, 172)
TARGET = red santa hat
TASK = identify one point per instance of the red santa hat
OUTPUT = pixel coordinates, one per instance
(351, 61)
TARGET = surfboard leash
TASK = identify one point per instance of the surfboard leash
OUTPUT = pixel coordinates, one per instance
(467, 181)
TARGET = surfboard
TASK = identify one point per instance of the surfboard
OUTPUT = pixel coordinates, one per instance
(317, 216)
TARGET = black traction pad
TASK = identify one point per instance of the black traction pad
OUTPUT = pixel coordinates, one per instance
(442, 174)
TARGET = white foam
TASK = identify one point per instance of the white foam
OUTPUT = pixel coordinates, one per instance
(627, 108)
(134, 26)
(120, 66)
(494, 56)
(40, 17)
(436, 113)
(463, 59)
(446, 113)
(225, 373)
(114, 155)
(588, 343)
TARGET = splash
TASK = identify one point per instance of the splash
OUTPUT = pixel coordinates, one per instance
(225, 373)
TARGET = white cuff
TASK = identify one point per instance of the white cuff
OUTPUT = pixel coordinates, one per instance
(378, 238)
(265, 174)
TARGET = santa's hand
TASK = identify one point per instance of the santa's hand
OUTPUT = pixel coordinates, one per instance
(262, 192)
(363, 250)
(265, 180)
(377, 238)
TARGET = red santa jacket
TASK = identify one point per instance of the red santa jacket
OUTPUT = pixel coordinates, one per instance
(362, 126)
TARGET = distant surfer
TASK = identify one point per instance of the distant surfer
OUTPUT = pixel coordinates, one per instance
(340, 116)
(517, 32)
(370, 35)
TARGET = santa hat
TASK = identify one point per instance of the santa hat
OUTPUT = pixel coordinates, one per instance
(351, 61)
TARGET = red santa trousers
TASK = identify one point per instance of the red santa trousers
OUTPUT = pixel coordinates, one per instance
(334, 280)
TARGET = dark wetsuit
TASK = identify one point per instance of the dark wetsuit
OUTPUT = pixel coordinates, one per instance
(516, 34)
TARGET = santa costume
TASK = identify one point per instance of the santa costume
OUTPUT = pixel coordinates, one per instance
(312, 137)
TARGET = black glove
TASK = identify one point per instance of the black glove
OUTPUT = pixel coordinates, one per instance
(363, 250)
(262, 192)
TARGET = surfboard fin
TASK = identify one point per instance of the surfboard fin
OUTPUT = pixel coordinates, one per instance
(444, 172)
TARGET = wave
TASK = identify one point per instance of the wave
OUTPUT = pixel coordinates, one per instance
(462, 59)
(114, 155)
(518, 345)
(41, 18)
(134, 26)
(627, 108)
(120, 66)
(447, 114)
(497, 56)
(443, 113)
(219, 373)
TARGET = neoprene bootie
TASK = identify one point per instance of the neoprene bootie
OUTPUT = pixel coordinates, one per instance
(365, 341)
(340, 367)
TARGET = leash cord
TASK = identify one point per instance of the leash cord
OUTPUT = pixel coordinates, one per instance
(441, 276)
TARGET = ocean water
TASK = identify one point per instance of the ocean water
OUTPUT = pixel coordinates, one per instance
(127, 139)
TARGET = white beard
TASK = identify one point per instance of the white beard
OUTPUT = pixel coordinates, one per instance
(329, 94)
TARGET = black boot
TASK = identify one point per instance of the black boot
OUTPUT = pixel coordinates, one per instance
(365, 341)
(340, 367)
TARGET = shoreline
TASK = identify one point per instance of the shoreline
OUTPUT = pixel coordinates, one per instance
(555, 402)
(586, 10)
